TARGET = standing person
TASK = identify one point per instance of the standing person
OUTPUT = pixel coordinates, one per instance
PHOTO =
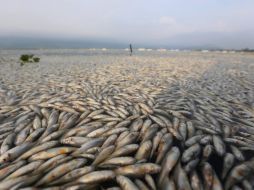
(130, 49)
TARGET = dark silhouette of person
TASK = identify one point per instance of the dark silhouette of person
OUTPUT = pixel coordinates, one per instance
(130, 49)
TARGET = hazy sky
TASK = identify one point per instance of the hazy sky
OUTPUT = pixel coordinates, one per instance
(222, 23)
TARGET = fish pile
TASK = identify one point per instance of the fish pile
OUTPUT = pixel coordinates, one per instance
(118, 122)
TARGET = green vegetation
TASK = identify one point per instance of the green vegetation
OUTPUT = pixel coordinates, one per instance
(36, 59)
(248, 50)
(28, 58)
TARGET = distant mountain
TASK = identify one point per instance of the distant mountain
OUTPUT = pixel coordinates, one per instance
(211, 40)
(194, 40)
(39, 42)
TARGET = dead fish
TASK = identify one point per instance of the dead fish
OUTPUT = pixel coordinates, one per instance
(191, 153)
(206, 140)
(118, 161)
(70, 122)
(168, 184)
(228, 162)
(195, 180)
(168, 163)
(124, 123)
(237, 153)
(239, 141)
(15, 152)
(216, 182)
(46, 113)
(149, 134)
(125, 150)
(237, 174)
(35, 135)
(121, 136)
(89, 144)
(72, 175)
(22, 135)
(191, 165)
(8, 143)
(52, 152)
(98, 132)
(49, 130)
(207, 130)
(146, 108)
(164, 146)
(53, 136)
(193, 140)
(38, 148)
(75, 140)
(26, 180)
(53, 118)
(136, 125)
(181, 178)
(176, 123)
(134, 115)
(129, 139)
(207, 152)
(4, 172)
(190, 129)
(37, 123)
(109, 141)
(158, 121)
(156, 141)
(85, 155)
(144, 150)
(25, 169)
(247, 185)
(166, 120)
(140, 184)
(97, 177)
(236, 187)
(51, 163)
(219, 145)
(175, 133)
(125, 183)
(208, 176)
(104, 154)
(150, 182)
(61, 170)
(183, 130)
(93, 150)
(138, 169)
(115, 131)
(147, 123)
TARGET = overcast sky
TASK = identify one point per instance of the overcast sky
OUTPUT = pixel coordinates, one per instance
(220, 23)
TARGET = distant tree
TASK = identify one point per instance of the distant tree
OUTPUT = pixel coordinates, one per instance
(28, 58)
(36, 59)
(24, 58)
(247, 50)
